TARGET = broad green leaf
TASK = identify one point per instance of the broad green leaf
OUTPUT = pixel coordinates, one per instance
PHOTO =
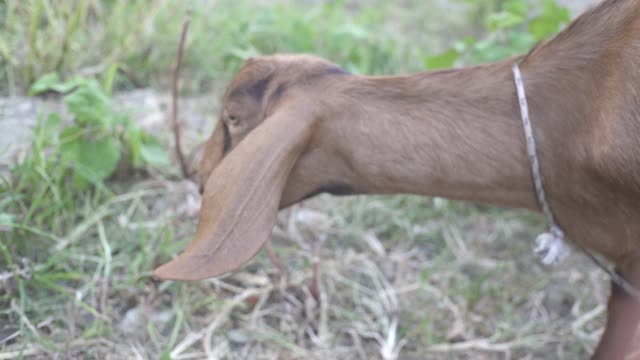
(97, 160)
(52, 123)
(154, 154)
(89, 105)
(44, 83)
(521, 42)
(442, 61)
(540, 28)
(503, 20)
(487, 51)
(80, 182)
(552, 18)
(52, 82)
(552, 10)
(70, 138)
(465, 44)
(71, 134)
(518, 7)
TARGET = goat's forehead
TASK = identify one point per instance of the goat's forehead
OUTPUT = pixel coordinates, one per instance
(254, 84)
(254, 67)
(258, 74)
(251, 72)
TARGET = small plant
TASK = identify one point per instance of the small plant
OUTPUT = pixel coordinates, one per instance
(511, 31)
(94, 143)
(63, 173)
(56, 191)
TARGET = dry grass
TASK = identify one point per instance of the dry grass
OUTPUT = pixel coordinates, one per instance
(400, 278)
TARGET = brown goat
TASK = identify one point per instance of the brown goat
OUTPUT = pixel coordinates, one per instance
(294, 126)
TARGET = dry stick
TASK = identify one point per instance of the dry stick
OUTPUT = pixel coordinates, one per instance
(273, 257)
(174, 94)
(274, 260)
(313, 288)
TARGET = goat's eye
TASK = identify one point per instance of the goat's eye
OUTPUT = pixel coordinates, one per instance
(232, 120)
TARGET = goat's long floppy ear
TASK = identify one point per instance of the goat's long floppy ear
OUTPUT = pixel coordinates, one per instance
(242, 197)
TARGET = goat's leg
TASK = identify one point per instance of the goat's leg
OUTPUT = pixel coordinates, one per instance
(623, 320)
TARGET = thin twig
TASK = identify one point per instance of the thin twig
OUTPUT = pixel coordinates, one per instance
(490, 345)
(25, 320)
(578, 326)
(207, 333)
(31, 350)
(174, 94)
(274, 259)
(313, 288)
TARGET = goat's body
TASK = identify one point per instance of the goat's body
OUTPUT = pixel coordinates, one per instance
(585, 94)
(457, 134)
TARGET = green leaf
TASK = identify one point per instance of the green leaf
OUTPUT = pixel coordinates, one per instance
(521, 42)
(70, 138)
(89, 105)
(542, 27)
(97, 160)
(52, 82)
(504, 20)
(44, 83)
(517, 7)
(465, 44)
(558, 13)
(442, 61)
(551, 20)
(80, 182)
(51, 124)
(154, 154)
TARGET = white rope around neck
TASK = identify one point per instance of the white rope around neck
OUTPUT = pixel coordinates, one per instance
(551, 246)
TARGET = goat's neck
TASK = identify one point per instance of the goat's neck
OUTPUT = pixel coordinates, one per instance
(454, 134)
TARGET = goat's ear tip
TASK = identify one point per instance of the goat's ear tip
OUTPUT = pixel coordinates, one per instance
(162, 273)
(184, 268)
(169, 271)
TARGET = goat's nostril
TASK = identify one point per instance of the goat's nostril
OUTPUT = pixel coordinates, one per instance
(201, 188)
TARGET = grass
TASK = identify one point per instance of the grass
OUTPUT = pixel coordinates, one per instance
(88, 37)
(400, 277)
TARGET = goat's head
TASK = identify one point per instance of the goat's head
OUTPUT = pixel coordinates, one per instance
(263, 155)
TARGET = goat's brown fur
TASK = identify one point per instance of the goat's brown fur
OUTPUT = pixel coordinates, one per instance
(294, 125)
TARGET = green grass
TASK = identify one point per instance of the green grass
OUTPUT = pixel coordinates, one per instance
(89, 36)
(76, 261)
